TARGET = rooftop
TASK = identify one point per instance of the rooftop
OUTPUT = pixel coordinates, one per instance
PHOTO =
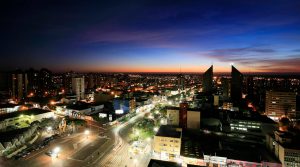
(158, 163)
(195, 144)
(168, 131)
(8, 105)
(9, 135)
(189, 109)
(254, 117)
(33, 111)
(295, 139)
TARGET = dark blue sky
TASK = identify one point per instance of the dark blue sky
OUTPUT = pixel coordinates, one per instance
(156, 36)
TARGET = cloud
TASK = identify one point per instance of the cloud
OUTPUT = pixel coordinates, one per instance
(257, 58)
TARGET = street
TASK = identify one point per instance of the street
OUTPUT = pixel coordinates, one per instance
(88, 149)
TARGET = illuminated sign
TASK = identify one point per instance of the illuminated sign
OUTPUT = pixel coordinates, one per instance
(119, 112)
(102, 115)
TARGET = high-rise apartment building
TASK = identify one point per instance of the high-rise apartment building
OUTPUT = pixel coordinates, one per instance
(183, 107)
(280, 104)
(181, 82)
(226, 86)
(78, 87)
(19, 85)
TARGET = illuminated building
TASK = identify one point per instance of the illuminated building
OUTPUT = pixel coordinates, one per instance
(208, 80)
(45, 80)
(181, 82)
(167, 143)
(124, 104)
(280, 104)
(33, 81)
(183, 117)
(19, 85)
(258, 125)
(24, 118)
(285, 146)
(226, 86)
(250, 86)
(78, 87)
(183, 114)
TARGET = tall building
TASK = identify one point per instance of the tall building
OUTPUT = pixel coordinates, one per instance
(184, 117)
(236, 85)
(45, 80)
(78, 87)
(90, 81)
(181, 82)
(208, 80)
(250, 86)
(4, 82)
(67, 81)
(19, 85)
(226, 86)
(183, 107)
(280, 103)
(33, 81)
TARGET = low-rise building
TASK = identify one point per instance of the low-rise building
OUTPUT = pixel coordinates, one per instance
(82, 108)
(8, 108)
(24, 118)
(285, 146)
(167, 143)
(257, 125)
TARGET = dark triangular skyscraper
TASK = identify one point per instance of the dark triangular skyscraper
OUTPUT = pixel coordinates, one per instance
(208, 80)
(236, 85)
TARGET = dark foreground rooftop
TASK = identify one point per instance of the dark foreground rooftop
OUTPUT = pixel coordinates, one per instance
(168, 131)
(194, 145)
(158, 163)
(33, 111)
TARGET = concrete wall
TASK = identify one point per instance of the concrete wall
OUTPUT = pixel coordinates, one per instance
(193, 120)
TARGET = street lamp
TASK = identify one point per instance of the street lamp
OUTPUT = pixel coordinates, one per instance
(135, 161)
(49, 128)
(56, 150)
(87, 132)
(137, 132)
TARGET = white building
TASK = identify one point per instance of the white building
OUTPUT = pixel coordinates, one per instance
(24, 118)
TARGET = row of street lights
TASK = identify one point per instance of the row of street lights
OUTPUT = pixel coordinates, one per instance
(56, 150)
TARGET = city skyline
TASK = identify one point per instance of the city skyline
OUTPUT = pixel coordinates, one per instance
(144, 36)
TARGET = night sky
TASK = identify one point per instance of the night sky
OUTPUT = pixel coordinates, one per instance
(150, 36)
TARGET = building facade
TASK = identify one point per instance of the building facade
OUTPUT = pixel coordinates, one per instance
(167, 143)
(78, 87)
(184, 117)
(284, 147)
(280, 104)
